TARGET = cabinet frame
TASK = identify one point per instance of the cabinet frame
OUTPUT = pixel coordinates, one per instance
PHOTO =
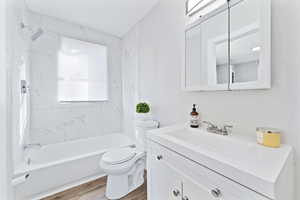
(264, 73)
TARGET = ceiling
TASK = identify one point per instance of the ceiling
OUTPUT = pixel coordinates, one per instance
(115, 17)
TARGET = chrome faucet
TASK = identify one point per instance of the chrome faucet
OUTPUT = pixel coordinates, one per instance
(226, 130)
(212, 128)
(31, 146)
(210, 125)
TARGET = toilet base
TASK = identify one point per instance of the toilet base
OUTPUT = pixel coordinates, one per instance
(119, 186)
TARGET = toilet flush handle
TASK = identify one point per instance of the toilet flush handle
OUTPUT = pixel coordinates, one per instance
(159, 157)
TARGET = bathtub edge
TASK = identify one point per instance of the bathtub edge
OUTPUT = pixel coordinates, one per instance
(66, 187)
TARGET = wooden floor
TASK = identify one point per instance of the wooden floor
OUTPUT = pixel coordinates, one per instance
(95, 190)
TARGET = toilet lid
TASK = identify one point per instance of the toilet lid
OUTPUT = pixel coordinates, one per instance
(120, 155)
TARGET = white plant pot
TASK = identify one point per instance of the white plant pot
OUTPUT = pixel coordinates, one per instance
(143, 116)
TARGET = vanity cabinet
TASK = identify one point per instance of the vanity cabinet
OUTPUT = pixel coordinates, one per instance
(166, 179)
(172, 176)
(196, 190)
(167, 182)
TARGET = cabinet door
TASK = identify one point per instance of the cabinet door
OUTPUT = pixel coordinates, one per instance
(206, 55)
(250, 45)
(194, 191)
(164, 182)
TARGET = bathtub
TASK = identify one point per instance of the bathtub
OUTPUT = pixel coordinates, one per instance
(57, 167)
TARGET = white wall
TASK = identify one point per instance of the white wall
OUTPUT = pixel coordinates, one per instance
(288, 33)
(159, 55)
(6, 165)
(130, 80)
(54, 122)
(3, 116)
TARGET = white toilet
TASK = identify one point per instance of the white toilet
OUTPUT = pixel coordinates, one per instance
(125, 166)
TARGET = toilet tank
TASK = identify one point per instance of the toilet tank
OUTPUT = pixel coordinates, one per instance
(141, 128)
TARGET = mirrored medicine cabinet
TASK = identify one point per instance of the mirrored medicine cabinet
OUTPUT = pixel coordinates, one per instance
(229, 48)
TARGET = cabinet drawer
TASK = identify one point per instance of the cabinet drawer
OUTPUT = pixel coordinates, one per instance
(208, 179)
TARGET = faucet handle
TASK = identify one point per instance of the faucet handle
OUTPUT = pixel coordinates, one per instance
(210, 125)
(227, 129)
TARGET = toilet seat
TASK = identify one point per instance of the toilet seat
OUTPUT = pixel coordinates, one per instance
(120, 167)
(119, 155)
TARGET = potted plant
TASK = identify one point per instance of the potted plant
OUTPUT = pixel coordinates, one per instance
(143, 111)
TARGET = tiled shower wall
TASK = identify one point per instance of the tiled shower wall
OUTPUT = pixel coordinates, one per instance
(54, 122)
(18, 62)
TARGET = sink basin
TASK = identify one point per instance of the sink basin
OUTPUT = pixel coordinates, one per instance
(236, 157)
(201, 139)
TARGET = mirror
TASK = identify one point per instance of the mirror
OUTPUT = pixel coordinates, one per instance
(206, 47)
(250, 45)
(213, 62)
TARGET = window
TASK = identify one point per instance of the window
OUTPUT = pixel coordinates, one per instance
(82, 71)
(202, 7)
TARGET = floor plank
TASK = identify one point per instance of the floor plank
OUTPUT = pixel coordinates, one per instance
(95, 190)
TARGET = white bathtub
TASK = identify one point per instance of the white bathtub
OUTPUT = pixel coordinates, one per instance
(57, 167)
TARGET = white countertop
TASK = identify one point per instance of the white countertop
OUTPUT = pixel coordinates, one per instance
(238, 158)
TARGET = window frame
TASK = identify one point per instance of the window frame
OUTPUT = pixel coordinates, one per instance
(102, 43)
(187, 10)
(194, 10)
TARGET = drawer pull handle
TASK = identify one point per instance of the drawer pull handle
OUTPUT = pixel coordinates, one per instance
(216, 192)
(159, 157)
(185, 198)
(176, 192)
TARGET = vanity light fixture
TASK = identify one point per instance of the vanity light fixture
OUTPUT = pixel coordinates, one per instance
(202, 7)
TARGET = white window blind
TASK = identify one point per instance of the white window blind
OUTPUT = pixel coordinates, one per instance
(203, 7)
(82, 71)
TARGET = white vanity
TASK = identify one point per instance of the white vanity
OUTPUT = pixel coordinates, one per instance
(189, 164)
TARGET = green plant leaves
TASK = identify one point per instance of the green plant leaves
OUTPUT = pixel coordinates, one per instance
(142, 108)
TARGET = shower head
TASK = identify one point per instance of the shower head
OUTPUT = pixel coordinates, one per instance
(37, 34)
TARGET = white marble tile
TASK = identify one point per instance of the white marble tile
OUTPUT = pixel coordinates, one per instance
(54, 122)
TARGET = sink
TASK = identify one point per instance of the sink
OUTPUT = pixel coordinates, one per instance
(230, 148)
(236, 157)
(209, 141)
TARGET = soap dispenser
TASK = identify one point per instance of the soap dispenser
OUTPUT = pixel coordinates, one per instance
(194, 117)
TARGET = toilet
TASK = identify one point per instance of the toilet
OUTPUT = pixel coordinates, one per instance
(125, 166)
